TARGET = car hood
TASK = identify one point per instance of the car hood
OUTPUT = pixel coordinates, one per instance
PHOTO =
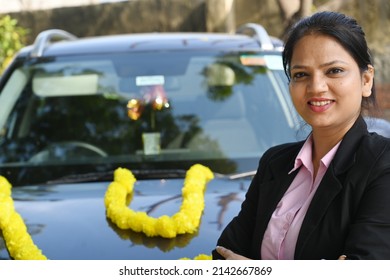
(68, 221)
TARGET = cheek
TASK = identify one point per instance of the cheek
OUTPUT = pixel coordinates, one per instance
(349, 89)
(297, 94)
(349, 96)
(351, 83)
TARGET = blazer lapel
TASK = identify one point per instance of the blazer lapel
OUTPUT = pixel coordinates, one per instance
(330, 185)
(328, 189)
(273, 189)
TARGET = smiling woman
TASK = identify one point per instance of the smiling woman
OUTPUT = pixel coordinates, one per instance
(326, 197)
(331, 83)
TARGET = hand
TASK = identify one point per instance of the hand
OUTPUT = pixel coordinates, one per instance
(228, 254)
(342, 257)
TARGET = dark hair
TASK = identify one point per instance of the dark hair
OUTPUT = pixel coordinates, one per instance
(344, 29)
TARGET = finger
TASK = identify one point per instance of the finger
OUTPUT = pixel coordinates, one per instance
(342, 257)
(226, 253)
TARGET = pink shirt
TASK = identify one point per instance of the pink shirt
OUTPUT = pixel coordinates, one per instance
(283, 228)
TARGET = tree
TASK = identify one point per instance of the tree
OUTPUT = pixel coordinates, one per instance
(292, 10)
(12, 39)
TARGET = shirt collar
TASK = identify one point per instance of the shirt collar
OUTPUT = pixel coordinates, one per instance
(304, 156)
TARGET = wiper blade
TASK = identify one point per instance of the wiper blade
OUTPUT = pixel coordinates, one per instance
(242, 175)
(159, 173)
(85, 177)
(140, 174)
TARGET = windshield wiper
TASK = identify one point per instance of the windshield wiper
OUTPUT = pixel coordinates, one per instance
(159, 173)
(139, 174)
(242, 175)
(81, 178)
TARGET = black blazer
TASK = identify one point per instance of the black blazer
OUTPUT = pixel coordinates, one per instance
(349, 213)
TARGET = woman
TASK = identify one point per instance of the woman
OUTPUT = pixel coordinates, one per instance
(327, 197)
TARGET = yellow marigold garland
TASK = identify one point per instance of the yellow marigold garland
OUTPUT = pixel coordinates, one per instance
(187, 220)
(200, 257)
(18, 241)
(21, 246)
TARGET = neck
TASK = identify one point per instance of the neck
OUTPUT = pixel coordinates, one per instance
(324, 140)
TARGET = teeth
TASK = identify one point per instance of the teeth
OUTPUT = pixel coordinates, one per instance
(320, 103)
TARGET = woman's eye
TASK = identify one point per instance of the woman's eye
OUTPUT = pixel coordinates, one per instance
(298, 75)
(335, 71)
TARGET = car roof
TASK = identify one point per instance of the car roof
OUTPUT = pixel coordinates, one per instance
(55, 42)
(151, 42)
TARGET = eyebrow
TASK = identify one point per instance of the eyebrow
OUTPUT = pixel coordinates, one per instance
(321, 65)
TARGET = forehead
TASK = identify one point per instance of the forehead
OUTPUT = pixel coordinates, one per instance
(319, 47)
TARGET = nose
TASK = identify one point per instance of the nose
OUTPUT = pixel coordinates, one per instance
(317, 84)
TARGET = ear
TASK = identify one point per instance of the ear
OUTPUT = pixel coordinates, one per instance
(368, 81)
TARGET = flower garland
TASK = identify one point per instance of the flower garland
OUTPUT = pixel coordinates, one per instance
(21, 246)
(18, 241)
(200, 257)
(187, 220)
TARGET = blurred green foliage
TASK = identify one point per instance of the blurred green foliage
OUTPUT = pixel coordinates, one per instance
(12, 39)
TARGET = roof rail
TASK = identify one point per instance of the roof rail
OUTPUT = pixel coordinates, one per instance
(49, 36)
(278, 43)
(257, 31)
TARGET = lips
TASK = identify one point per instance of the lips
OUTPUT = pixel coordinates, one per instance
(320, 103)
(319, 106)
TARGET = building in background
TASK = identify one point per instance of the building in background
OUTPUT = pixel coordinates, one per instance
(14, 6)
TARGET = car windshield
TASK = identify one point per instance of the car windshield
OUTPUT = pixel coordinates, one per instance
(144, 110)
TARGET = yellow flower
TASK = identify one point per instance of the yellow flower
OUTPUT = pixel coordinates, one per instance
(21, 246)
(5, 187)
(203, 257)
(187, 220)
(18, 241)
